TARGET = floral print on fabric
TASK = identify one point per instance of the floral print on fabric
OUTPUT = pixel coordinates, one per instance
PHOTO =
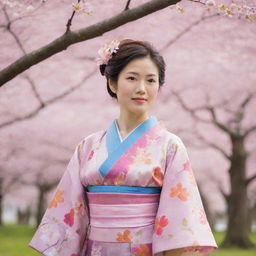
(181, 204)
(142, 250)
(160, 224)
(180, 192)
(57, 198)
(124, 236)
(157, 159)
(63, 228)
(158, 176)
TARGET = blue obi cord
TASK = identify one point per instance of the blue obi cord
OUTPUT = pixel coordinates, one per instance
(123, 189)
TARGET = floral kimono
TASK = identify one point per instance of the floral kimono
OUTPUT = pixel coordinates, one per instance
(131, 197)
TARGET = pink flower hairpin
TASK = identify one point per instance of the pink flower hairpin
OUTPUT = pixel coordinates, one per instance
(106, 51)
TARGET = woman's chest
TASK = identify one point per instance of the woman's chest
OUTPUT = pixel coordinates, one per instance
(141, 164)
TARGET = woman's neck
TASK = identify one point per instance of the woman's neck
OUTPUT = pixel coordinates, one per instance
(127, 123)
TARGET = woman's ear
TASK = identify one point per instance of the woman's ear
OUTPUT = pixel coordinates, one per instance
(112, 85)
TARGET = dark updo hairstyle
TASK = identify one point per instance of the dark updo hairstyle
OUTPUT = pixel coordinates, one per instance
(128, 51)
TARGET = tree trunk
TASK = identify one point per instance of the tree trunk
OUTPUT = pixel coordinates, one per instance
(1, 201)
(238, 233)
(252, 217)
(23, 216)
(40, 204)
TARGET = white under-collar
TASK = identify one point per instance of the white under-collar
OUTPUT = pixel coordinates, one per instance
(120, 134)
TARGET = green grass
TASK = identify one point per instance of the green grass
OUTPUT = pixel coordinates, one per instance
(15, 238)
(14, 241)
(219, 236)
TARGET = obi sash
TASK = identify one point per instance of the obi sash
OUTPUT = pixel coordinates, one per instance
(115, 214)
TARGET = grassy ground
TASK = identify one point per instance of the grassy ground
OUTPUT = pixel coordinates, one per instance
(14, 242)
(219, 236)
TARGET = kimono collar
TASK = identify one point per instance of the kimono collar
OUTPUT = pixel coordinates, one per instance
(113, 140)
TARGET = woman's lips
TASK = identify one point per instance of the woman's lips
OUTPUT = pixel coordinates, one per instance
(140, 100)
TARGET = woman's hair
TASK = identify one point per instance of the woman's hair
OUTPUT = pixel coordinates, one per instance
(128, 51)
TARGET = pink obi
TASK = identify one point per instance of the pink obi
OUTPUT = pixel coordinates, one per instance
(122, 217)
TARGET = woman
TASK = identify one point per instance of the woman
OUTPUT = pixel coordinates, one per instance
(128, 190)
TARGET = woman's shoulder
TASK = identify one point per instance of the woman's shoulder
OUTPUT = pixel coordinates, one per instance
(173, 138)
(175, 144)
(170, 137)
(89, 142)
(93, 137)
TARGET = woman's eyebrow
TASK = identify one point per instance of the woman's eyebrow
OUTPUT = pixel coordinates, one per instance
(135, 73)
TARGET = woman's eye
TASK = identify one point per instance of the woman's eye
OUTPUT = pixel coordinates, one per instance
(133, 78)
(130, 77)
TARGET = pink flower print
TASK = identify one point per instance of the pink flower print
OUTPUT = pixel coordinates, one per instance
(203, 218)
(119, 180)
(142, 250)
(180, 192)
(157, 176)
(80, 208)
(69, 217)
(142, 156)
(160, 223)
(91, 155)
(186, 166)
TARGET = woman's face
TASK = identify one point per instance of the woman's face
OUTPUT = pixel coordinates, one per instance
(138, 79)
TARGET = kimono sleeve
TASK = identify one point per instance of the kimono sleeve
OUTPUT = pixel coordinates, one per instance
(63, 228)
(181, 222)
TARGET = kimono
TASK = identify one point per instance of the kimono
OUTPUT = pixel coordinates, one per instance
(135, 196)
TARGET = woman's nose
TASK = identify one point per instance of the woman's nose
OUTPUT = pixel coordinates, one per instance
(142, 85)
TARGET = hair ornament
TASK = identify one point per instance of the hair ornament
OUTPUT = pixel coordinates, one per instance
(106, 51)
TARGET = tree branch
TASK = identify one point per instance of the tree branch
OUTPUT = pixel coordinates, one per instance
(47, 102)
(213, 145)
(249, 180)
(187, 108)
(42, 104)
(218, 183)
(69, 38)
(187, 29)
(246, 101)
(127, 5)
(250, 130)
(222, 126)
(8, 28)
(19, 43)
(239, 114)
(209, 108)
(69, 23)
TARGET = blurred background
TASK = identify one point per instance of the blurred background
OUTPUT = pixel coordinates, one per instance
(207, 99)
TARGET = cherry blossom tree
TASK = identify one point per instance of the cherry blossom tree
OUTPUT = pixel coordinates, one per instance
(237, 198)
(57, 90)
